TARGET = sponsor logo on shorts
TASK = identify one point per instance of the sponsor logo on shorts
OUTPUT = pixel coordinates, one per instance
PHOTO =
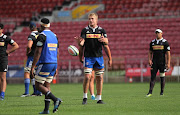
(87, 63)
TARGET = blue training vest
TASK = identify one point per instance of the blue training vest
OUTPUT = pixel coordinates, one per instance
(49, 50)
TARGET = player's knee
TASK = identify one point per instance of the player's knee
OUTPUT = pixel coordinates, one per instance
(99, 72)
(99, 78)
(87, 77)
(3, 78)
(27, 69)
(92, 77)
(162, 74)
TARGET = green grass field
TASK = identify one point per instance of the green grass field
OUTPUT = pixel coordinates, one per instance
(122, 98)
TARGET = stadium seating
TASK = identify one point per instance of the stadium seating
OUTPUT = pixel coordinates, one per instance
(136, 8)
(129, 33)
(128, 39)
(18, 11)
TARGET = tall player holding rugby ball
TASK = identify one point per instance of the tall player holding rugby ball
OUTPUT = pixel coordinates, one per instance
(92, 39)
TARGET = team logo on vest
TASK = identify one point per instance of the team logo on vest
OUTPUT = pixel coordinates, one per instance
(93, 35)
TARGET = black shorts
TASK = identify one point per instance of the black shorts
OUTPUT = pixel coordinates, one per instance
(3, 66)
(155, 68)
(160, 67)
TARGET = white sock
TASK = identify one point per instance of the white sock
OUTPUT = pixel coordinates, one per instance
(98, 97)
(33, 81)
(93, 95)
(85, 95)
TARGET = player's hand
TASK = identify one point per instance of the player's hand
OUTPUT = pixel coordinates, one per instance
(167, 66)
(110, 63)
(8, 53)
(32, 73)
(80, 41)
(56, 73)
(103, 39)
(150, 63)
(81, 60)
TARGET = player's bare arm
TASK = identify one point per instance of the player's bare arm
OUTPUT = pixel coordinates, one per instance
(57, 62)
(108, 53)
(81, 49)
(14, 47)
(150, 58)
(168, 59)
(30, 43)
(37, 55)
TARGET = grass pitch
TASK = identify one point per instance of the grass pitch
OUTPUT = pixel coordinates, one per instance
(122, 98)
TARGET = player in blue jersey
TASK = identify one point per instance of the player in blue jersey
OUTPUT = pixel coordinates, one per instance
(46, 54)
(92, 40)
(4, 52)
(31, 46)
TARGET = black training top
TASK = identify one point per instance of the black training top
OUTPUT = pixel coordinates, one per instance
(93, 48)
(4, 41)
(159, 49)
(33, 36)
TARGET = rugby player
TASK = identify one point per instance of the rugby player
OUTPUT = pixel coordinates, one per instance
(159, 59)
(91, 83)
(46, 54)
(4, 53)
(93, 38)
(31, 46)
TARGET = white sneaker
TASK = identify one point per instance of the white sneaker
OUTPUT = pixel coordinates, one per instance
(25, 95)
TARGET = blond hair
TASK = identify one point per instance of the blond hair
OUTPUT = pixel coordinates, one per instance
(93, 14)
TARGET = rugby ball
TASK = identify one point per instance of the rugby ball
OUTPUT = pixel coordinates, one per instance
(73, 50)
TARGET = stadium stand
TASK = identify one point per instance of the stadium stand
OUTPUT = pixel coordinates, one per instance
(18, 11)
(128, 38)
(129, 33)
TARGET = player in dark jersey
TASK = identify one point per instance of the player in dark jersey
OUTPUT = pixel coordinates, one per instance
(31, 46)
(92, 39)
(4, 41)
(46, 54)
(159, 59)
